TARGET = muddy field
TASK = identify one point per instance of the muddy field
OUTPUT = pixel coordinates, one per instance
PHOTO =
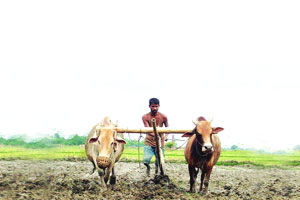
(70, 180)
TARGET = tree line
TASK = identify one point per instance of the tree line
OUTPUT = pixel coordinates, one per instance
(44, 142)
(56, 140)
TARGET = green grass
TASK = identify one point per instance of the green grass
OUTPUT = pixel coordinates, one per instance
(260, 158)
(57, 153)
(228, 157)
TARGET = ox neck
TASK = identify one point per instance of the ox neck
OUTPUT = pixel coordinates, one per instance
(198, 139)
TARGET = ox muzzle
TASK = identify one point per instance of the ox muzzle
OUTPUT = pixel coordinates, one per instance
(207, 148)
(103, 162)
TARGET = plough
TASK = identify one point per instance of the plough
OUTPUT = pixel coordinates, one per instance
(156, 131)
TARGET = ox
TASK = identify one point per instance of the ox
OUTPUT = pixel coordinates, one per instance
(104, 147)
(202, 152)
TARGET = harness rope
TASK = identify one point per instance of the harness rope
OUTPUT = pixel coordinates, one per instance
(139, 150)
(180, 145)
(140, 137)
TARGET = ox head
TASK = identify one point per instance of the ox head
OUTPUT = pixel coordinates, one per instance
(204, 133)
(106, 137)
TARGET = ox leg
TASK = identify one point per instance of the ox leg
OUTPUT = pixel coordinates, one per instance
(202, 178)
(206, 180)
(112, 179)
(101, 175)
(106, 176)
(108, 170)
(193, 176)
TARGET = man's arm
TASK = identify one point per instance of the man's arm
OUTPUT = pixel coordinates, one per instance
(166, 123)
(146, 124)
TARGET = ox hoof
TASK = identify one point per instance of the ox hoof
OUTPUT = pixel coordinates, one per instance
(192, 190)
(204, 192)
(112, 180)
(103, 186)
(105, 180)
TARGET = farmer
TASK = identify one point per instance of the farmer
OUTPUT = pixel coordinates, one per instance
(149, 143)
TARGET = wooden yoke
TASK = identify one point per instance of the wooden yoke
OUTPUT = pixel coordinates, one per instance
(150, 130)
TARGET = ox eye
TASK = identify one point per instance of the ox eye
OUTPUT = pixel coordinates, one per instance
(115, 144)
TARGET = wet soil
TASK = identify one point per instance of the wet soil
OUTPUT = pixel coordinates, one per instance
(71, 180)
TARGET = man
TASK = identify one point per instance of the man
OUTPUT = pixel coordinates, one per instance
(149, 148)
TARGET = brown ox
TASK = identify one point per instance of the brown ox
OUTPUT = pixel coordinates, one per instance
(202, 151)
(104, 147)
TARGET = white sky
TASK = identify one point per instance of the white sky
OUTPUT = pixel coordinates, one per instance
(64, 65)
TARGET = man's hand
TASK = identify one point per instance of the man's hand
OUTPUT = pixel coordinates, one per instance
(151, 134)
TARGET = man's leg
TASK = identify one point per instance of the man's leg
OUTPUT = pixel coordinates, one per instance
(148, 154)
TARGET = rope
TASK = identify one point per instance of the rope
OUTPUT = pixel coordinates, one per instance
(140, 137)
(138, 147)
(133, 140)
(139, 150)
(179, 146)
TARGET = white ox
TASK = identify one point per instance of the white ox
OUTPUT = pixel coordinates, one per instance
(104, 147)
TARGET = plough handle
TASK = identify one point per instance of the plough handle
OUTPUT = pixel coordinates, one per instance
(158, 144)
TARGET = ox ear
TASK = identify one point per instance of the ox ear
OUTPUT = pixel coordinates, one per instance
(120, 140)
(217, 130)
(92, 140)
(187, 135)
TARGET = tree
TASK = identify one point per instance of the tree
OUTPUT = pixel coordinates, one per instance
(234, 147)
(170, 145)
(16, 140)
(76, 140)
(56, 135)
(134, 143)
(297, 147)
(2, 140)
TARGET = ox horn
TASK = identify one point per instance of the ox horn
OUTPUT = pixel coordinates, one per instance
(107, 121)
(101, 124)
(98, 127)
